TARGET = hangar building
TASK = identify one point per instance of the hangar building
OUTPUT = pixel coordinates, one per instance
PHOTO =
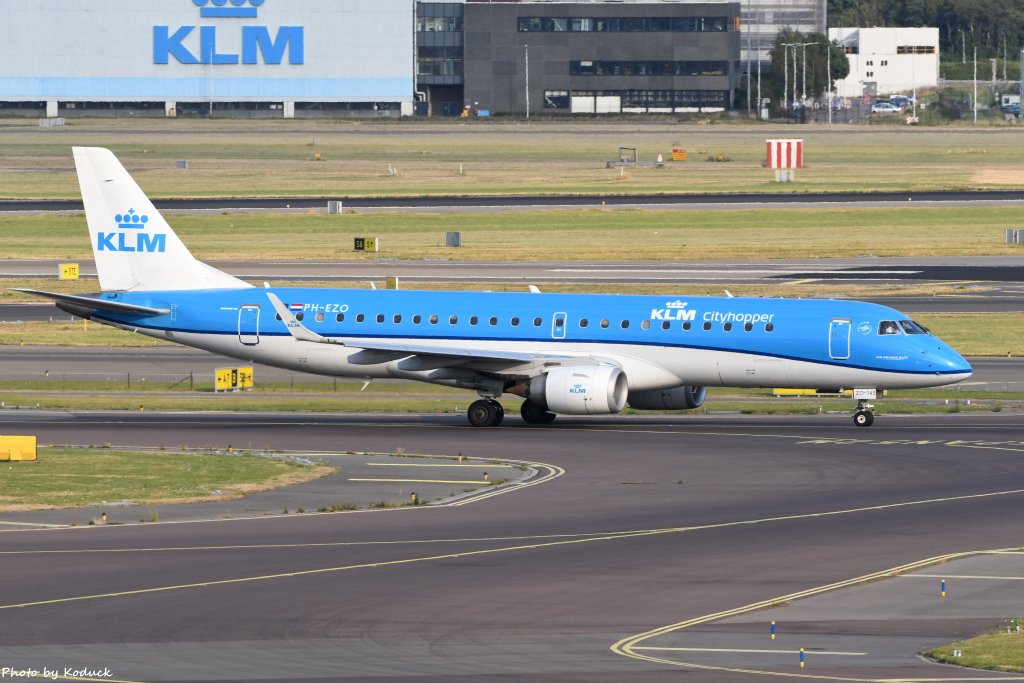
(287, 58)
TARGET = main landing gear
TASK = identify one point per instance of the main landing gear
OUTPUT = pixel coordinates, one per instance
(863, 417)
(535, 414)
(485, 413)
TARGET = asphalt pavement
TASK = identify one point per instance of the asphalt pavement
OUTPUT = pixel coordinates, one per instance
(652, 526)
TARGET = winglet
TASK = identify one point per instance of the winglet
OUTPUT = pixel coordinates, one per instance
(295, 328)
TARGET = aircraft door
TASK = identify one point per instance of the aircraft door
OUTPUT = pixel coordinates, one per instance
(559, 322)
(249, 325)
(839, 338)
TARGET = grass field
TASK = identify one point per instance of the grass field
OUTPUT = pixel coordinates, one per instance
(996, 651)
(578, 235)
(63, 478)
(274, 158)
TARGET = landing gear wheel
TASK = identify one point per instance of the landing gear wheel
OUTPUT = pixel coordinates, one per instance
(499, 410)
(863, 418)
(484, 413)
(535, 414)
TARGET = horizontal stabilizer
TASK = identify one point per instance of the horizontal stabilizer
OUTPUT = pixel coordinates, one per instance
(90, 303)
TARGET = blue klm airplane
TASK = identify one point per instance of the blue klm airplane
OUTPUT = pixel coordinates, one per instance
(562, 353)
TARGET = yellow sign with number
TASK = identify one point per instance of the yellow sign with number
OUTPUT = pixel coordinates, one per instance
(68, 271)
(232, 379)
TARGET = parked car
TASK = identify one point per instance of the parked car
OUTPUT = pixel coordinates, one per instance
(1012, 109)
(900, 101)
(884, 108)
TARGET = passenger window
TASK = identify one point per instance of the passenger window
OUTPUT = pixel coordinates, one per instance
(277, 317)
(559, 323)
(584, 322)
(624, 324)
(299, 316)
(473, 320)
(748, 327)
(665, 324)
(360, 318)
(433, 320)
(453, 320)
(380, 317)
(492, 321)
(536, 322)
(515, 322)
(646, 324)
(319, 317)
(707, 326)
(416, 319)
(397, 319)
(888, 327)
(687, 325)
(769, 327)
(340, 317)
(727, 327)
(604, 324)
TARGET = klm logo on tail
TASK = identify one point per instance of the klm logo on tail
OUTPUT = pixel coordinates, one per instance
(129, 235)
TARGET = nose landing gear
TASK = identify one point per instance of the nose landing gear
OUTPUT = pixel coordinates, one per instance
(863, 417)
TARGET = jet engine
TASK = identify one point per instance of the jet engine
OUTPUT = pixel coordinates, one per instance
(685, 397)
(581, 390)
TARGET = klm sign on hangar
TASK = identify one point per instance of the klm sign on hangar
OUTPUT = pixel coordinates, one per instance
(204, 52)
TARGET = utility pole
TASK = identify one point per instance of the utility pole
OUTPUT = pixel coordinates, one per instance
(803, 52)
(785, 73)
(759, 86)
(828, 79)
(748, 56)
(975, 107)
(526, 59)
(963, 47)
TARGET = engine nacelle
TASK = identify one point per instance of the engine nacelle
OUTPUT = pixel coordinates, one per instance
(680, 398)
(581, 390)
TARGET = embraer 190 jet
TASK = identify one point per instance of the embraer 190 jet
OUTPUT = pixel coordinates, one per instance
(569, 354)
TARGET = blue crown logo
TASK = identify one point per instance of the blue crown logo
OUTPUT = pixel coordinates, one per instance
(228, 8)
(131, 220)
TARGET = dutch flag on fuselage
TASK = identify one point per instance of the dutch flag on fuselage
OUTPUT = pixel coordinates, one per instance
(294, 307)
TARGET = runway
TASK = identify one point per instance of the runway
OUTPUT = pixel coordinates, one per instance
(1008, 197)
(655, 523)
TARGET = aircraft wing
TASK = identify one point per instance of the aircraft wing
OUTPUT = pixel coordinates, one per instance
(89, 303)
(429, 355)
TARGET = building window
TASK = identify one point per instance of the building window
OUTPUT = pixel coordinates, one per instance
(433, 24)
(647, 68)
(556, 99)
(622, 24)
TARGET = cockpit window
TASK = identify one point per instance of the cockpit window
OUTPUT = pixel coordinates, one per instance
(910, 327)
(888, 327)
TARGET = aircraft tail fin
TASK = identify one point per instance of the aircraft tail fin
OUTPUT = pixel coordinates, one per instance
(134, 247)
